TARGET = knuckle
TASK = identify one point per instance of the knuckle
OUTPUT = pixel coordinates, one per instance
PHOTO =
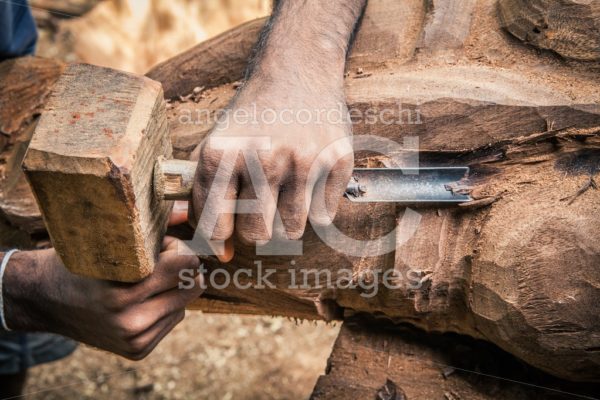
(252, 229)
(132, 326)
(216, 232)
(191, 262)
(303, 163)
(116, 301)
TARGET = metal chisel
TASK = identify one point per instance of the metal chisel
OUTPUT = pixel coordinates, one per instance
(173, 180)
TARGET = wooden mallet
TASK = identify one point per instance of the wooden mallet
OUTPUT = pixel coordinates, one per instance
(90, 164)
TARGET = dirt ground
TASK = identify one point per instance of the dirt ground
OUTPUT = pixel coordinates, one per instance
(205, 357)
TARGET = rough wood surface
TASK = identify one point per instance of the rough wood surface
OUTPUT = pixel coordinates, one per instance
(388, 34)
(25, 84)
(376, 362)
(528, 126)
(174, 179)
(448, 24)
(518, 266)
(90, 165)
(569, 27)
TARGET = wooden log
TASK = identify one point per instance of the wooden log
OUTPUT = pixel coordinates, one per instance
(90, 161)
(571, 28)
(383, 362)
(488, 270)
(388, 34)
(211, 63)
(519, 128)
(25, 84)
(471, 284)
(22, 100)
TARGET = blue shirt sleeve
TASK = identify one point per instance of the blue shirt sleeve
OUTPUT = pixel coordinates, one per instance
(18, 34)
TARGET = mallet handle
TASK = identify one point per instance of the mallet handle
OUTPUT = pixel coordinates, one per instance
(173, 179)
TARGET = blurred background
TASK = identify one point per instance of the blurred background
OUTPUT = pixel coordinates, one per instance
(206, 356)
(133, 35)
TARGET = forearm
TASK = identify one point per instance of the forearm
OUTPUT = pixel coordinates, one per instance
(23, 292)
(304, 47)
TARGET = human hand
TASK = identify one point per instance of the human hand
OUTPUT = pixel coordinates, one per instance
(299, 160)
(299, 168)
(304, 157)
(126, 319)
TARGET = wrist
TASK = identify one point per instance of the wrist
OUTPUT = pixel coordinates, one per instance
(267, 92)
(23, 293)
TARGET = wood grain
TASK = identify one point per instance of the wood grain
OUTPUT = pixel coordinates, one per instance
(25, 84)
(448, 25)
(569, 27)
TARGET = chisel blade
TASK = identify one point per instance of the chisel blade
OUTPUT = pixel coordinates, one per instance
(408, 185)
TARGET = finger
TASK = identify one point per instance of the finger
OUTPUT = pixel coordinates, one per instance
(145, 315)
(257, 227)
(214, 193)
(170, 301)
(328, 191)
(174, 264)
(169, 243)
(293, 206)
(142, 345)
(179, 214)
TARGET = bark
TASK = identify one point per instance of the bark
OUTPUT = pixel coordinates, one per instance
(569, 27)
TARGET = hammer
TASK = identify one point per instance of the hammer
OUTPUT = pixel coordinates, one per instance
(99, 166)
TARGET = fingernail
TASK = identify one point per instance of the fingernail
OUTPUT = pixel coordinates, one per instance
(180, 206)
(228, 252)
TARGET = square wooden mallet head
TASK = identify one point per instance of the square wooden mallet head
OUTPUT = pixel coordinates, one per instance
(90, 165)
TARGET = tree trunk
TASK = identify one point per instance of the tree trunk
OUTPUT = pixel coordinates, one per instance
(518, 266)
